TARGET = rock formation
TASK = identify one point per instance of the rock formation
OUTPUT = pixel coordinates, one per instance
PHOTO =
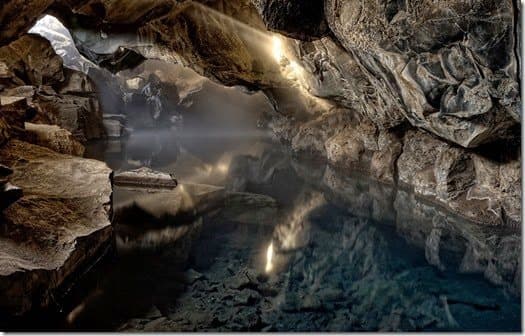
(37, 85)
(55, 205)
(418, 93)
(60, 224)
(399, 73)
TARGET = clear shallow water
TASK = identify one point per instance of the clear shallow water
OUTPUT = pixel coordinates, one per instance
(291, 245)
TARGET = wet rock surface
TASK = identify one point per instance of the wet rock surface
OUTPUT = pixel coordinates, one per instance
(55, 229)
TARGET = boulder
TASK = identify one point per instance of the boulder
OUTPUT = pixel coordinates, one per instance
(54, 138)
(33, 60)
(56, 229)
(78, 114)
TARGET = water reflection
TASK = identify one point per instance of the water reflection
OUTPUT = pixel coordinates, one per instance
(289, 244)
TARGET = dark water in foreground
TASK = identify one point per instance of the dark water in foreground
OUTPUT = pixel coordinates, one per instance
(290, 246)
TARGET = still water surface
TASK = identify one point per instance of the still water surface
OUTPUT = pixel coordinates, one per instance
(276, 243)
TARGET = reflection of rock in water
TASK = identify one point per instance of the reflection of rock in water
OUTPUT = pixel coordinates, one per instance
(356, 270)
(151, 148)
(292, 231)
(323, 252)
(447, 241)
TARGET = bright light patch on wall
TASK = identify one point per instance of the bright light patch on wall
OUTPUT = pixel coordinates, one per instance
(277, 49)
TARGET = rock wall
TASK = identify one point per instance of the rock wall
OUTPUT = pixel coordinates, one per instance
(419, 92)
(55, 217)
(45, 91)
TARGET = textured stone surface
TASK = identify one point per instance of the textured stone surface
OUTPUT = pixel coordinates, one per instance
(33, 60)
(454, 68)
(17, 16)
(302, 19)
(469, 183)
(54, 138)
(60, 223)
(312, 135)
(361, 146)
(42, 91)
(430, 89)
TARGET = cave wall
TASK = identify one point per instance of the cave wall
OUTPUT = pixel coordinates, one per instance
(421, 93)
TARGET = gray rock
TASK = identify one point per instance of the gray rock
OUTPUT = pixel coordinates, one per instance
(155, 324)
(146, 178)
(301, 19)
(246, 297)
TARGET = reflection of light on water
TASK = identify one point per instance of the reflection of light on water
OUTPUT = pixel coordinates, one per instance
(292, 233)
(223, 168)
(289, 232)
(269, 258)
(72, 316)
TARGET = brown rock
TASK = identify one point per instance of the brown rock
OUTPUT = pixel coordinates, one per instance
(55, 229)
(313, 134)
(53, 137)
(33, 60)
(17, 16)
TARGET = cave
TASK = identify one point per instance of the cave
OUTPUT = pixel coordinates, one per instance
(260, 165)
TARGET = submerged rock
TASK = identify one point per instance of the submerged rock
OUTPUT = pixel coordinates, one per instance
(57, 228)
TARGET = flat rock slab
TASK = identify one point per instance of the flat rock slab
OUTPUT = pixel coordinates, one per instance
(57, 227)
(145, 177)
